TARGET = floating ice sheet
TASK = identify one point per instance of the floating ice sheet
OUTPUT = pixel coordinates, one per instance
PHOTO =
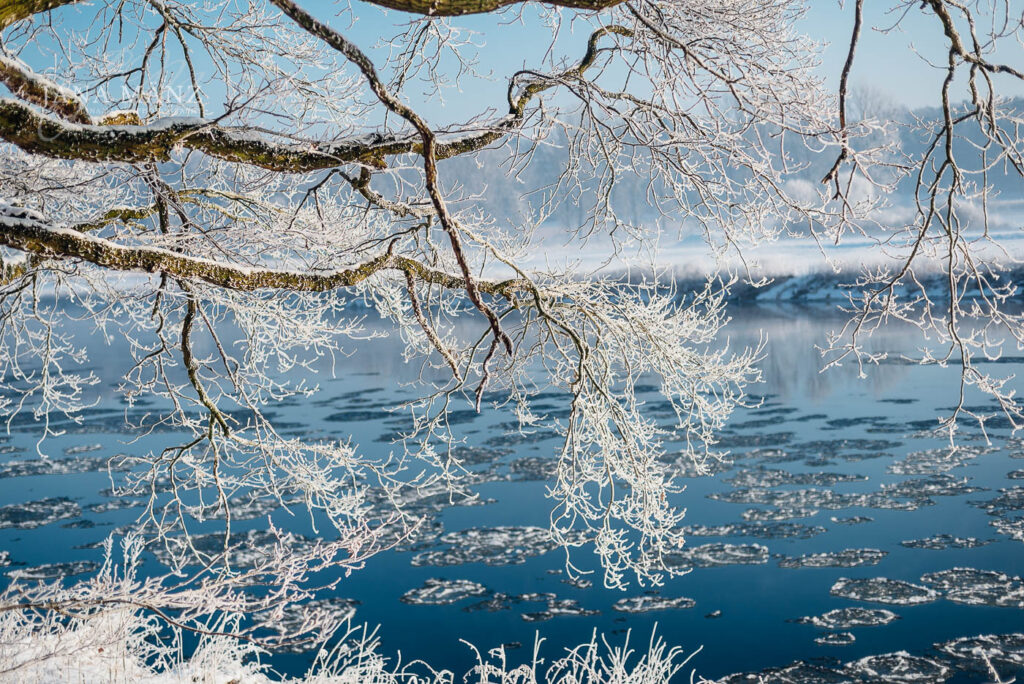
(443, 592)
(777, 514)
(835, 639)
(852, 520)
(883, 590)
(940, 542)
(978, 587)
(1012, 528)
(559, 607)
(53, 571)
(760, 530)
(847, 558)
(489, 545)
(26, 516)
(712, 555)
(1001, 650)
(645, 604)
(898, 667)
(766, 477)
(845, 618)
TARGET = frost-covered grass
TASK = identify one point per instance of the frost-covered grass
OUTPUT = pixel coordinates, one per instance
(114, 646)
(117, 627)
(120, 627)
(124, 646)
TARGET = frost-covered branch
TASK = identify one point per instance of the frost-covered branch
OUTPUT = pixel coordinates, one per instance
(27, 231)
(950, 267)
(226, 237)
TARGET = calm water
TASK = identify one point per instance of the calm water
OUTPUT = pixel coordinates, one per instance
(809, 423)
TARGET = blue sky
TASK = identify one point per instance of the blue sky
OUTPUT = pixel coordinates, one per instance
(894, 64)
(891, 64)
(894, 61)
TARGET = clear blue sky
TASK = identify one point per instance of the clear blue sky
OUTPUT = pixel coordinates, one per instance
(893, 64)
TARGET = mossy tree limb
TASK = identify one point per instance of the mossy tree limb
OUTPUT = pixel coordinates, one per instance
(28, 234)
(456, 8)
(12, 11)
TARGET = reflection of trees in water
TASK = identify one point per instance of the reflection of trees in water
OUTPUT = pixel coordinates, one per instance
(792, 364)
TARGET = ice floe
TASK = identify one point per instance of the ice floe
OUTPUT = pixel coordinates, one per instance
(578, 582)
(712, 555)
(559, 607)
(967, 655)
(245, 508)
(26, 516)
(247, 549)
(845, 618)
(488, 545)
(757, 439)
(847, 558)
(835, 639)
(765, 477)
(760, 530)
(797, 673)
(898, 667)
(53, 571)
(883, 590)
(56, 466)
(533, 468)
(852, 520)
(1013, 528)
(777, 514)
(1009, 500)
(1001, 650)
(834, 447)
(644, 604)
(978, 587)
(685, 466)
(443, 592)
(941, 484)
(114, 505)
(939, 542)
(294, 616)
(82, 449)
(934, 461)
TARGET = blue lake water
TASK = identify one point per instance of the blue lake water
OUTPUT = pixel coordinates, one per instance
(809, 423)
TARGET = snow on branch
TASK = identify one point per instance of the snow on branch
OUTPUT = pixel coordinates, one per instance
(27, 231)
